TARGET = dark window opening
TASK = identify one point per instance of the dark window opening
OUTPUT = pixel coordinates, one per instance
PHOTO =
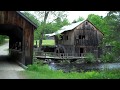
(61, 37)
(81, 36)
(86, 23)
(66, 37)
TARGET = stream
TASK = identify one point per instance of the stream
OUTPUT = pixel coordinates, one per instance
(68, 67)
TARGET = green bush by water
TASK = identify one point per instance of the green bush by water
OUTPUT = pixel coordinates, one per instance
(90, 58)
(108, 57)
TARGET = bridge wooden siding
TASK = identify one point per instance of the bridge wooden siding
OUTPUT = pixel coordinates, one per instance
(20, 30)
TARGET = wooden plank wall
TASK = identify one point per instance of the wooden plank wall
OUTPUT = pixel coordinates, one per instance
(13, 18)
(90, 43)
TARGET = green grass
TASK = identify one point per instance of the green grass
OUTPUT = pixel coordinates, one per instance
(5, 41)
(45, 42)
(44, 72)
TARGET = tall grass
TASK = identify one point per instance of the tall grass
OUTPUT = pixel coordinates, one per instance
(37, 71)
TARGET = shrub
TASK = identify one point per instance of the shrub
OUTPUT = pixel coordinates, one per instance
(108, 57)
(90, 58)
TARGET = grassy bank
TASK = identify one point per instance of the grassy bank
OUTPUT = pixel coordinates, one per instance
(36, 71)
(45, 42)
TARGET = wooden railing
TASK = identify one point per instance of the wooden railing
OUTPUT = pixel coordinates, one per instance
(60, 55)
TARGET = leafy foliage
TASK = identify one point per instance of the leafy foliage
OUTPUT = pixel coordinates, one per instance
(31, 17)
(79, 19)
(90, 58)
(2, 39)
(110, 26)
(99, 22)
(108, 57)
(113, 36)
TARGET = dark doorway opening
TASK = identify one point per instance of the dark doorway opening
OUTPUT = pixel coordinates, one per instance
(12, 48)
(81, 51)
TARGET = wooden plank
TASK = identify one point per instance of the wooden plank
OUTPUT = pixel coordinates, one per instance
(58, 58)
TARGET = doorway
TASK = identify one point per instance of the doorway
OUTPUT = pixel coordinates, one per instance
(81, 51)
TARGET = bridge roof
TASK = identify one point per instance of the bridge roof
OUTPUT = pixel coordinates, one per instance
(25, 17)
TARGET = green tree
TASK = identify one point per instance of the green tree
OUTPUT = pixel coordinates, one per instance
(32, 17)
(58, 21)
(102, 24)
(99, 22)
(113, 20)
(46, 15)
(110, 26)
(35, 20)
(78, 20)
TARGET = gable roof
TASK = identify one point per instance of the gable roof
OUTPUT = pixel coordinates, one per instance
(65, 28)
(95, 27)
(26, 18)
(69, 28)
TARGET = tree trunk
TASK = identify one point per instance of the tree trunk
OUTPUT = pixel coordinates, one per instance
(40, 41)
(42, 32)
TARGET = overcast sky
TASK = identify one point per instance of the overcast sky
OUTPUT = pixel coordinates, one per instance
(72, 15)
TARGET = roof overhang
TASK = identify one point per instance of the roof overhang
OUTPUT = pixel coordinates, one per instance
(27, 19)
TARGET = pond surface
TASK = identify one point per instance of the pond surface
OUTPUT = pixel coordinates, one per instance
(83, 66)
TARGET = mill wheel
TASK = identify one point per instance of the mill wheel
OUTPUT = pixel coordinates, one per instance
(60, 49)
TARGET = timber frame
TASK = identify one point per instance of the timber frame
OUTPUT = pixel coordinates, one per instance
(20, 31)
(79, 40)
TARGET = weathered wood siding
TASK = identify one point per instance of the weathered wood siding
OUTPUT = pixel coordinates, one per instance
(84, 36)
(68, 38)
(27, 29)
(88, 33)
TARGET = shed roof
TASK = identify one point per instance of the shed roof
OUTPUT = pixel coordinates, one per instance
(25, 17)
(67, 28)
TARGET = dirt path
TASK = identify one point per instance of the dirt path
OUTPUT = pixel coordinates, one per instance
(8, 69)
(4, 49)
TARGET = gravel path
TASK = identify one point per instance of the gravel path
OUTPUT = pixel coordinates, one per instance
(8, 69)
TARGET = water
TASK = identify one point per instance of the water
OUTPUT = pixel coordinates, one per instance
(68, 67)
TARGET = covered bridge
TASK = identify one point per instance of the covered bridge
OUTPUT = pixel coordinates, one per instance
(20, 31)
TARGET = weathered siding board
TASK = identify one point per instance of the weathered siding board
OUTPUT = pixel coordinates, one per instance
(22, 33)
(84, 36)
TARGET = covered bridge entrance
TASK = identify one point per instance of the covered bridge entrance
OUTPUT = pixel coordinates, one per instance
(20, 31)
